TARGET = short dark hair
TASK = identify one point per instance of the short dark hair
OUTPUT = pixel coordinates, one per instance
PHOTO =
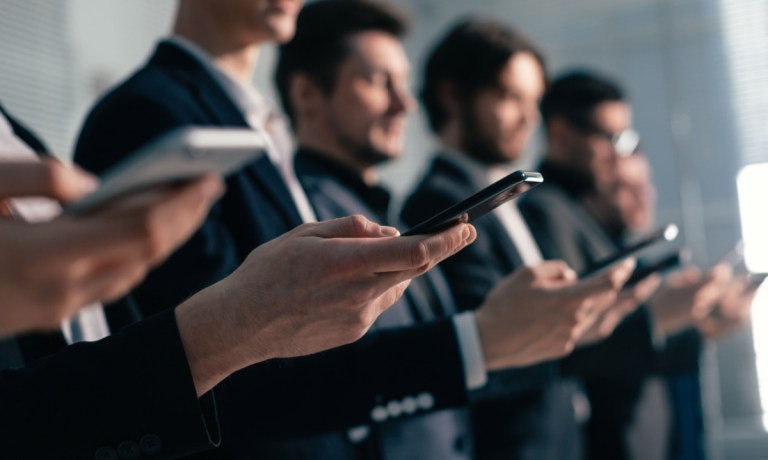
(574, 96)
(471, 56)
(321, 42)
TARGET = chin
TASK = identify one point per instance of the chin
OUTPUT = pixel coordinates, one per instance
(509, 154)
(281, 27)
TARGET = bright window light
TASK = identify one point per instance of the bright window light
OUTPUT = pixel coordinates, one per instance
(753, 194)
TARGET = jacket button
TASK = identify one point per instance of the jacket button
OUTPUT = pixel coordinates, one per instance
(128, 450)
(105, 453)
(425, 401)
(393, 409)
(409, 405)
(379, 414)
(150, 444)
(358, 434)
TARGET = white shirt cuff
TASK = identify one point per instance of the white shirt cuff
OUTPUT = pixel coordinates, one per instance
(475, 374)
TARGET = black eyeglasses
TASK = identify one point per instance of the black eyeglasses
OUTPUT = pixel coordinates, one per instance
(625, 142)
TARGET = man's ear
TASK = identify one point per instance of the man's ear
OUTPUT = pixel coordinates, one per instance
(559, 128)
(450, 99)
(305, 95)
(560, 136)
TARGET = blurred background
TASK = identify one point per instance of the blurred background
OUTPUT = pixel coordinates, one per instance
(696, 72)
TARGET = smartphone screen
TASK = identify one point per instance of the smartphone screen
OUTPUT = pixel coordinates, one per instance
(480, 203)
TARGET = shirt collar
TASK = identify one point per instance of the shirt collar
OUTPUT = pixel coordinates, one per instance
(249, 100)
(313, 162)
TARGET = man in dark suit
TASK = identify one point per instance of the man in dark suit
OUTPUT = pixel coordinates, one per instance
(343, 81)
(488, 57)
(481, 90)
(158, 374)
(626, 206)
(198, 77)
(588, 124)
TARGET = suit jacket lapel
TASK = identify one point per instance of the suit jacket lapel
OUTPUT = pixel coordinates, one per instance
(25, 135)
(446, 166)
(224, 112)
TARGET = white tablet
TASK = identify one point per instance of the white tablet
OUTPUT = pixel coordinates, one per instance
(176, 156)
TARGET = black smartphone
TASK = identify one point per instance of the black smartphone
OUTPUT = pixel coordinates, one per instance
(667, 233)
(179, 155)
(662, 265)
(480, 203)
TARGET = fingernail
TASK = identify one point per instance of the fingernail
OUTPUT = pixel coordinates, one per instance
(88, 183)
(389, 231)
(466, 233)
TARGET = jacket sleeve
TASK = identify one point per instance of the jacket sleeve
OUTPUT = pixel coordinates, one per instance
(129, 393)
(388, 374)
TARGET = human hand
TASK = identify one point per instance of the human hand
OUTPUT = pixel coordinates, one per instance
(50, 270)
(627, 301)
(539, 313)
(731, 312)
(687, 296)
(319, 286)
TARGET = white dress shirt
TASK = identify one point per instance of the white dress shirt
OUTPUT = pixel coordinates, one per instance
(261, 115)
(89, 324)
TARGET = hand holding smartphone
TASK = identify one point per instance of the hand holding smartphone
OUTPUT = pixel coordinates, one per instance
(667, 233)
(669, 262)
(174, 157)
(480, 203)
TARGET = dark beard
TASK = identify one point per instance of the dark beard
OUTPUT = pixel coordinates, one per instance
(474, 144)
(371, 156)
(365, 153)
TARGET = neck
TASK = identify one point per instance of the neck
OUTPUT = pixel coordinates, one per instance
(335, 152)
(450, 136)
(229, 51)
(606, 215)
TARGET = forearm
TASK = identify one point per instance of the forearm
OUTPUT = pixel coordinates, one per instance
(213, 339)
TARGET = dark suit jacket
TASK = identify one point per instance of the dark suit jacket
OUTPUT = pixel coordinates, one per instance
(522, 413)
(132, 392)
(614, 370)
(284, 398)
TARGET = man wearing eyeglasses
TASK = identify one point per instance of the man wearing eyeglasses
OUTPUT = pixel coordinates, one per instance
(588, 125)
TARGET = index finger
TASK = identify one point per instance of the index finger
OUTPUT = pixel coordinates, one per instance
(611, 280)
(47, 178)
(404, 253)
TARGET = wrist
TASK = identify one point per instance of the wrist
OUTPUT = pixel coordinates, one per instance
(213, 338)
(494, 356)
